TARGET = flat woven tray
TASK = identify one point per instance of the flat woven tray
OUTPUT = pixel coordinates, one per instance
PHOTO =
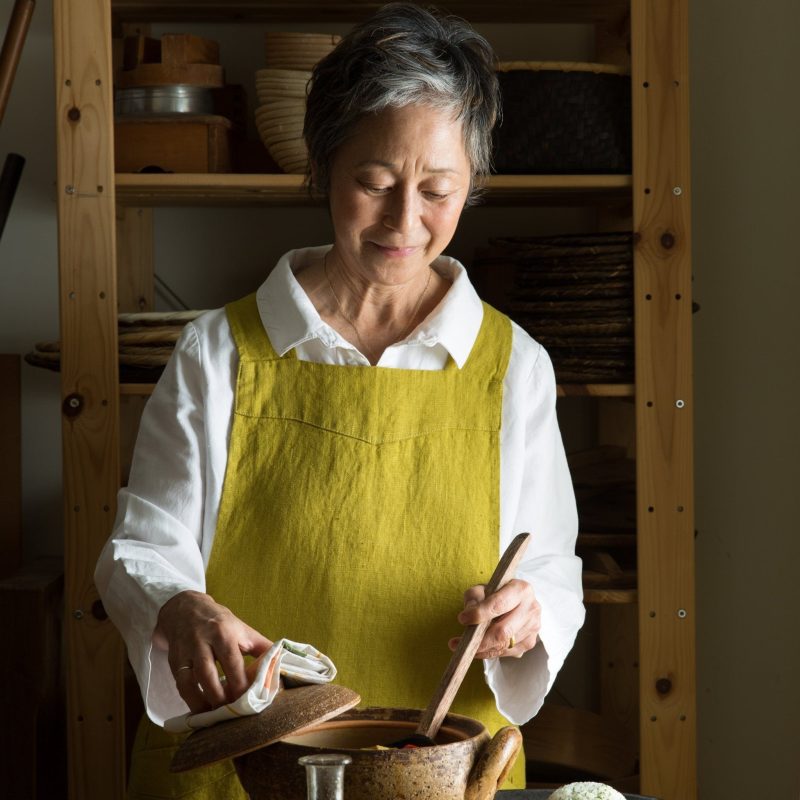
(573, 293)
(575, 309)
(145, 340)
(158, 318)
(128, 373)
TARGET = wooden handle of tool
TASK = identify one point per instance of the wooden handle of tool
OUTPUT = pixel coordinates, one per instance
(12, 48)
(440, 704)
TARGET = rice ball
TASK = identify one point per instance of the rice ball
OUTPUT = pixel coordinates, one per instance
(586, 790)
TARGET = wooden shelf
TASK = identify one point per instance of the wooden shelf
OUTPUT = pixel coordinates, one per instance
(567, 390)
(596, 390)
(327, 11)
(605, 596)
(136, 389)
(227, 189)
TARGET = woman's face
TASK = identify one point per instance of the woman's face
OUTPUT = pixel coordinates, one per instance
(397, 189)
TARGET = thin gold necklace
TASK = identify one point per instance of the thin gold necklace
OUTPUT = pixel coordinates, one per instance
(351, 322)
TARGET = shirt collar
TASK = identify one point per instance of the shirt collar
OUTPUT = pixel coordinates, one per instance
(290, 318)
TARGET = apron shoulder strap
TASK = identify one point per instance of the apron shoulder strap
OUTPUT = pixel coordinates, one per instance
(252, 341)
(492, 349)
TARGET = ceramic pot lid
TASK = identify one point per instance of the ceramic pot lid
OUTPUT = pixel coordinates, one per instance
(291, 711)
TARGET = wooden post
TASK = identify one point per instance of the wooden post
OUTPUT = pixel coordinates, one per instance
(664, 408)
(135, 292)
(90, 388)
(135, 264)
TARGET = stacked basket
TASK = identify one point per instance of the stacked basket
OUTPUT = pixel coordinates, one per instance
(572, 293)
(281, 90)
(146, 341)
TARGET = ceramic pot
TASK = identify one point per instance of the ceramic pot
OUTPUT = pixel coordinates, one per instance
(465, 764)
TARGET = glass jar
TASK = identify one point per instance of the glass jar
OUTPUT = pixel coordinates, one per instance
(325, 775)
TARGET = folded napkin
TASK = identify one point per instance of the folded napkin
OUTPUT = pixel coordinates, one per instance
(292, 662)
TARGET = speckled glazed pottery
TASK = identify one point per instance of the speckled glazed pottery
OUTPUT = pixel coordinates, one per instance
(465, 764)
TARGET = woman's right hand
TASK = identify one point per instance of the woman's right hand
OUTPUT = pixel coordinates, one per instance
(198, 632)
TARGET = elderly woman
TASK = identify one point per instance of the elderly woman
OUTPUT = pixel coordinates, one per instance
(341, 457)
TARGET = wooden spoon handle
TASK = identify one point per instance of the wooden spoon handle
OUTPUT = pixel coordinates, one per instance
(445, 693)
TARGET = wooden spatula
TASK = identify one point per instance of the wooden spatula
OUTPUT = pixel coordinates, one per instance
(440, 703)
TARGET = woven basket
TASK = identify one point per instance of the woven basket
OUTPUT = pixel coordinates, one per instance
(286, 50)
(158, 318)
(146, 341)
(563, 118)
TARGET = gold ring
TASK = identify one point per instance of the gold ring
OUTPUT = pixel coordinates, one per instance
(511, 643)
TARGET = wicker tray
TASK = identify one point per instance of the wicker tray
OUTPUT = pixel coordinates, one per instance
(145, 340)
(128, 372)
(159, 318)
(576, 291)
(574, 309)
(573, 293)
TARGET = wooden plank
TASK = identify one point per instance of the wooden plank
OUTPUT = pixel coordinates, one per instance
(135, 262)
(613, 39)
(616, 424)
(230, 189)
(595, 390)
(135, 293)
(665, 505)
(140, 389)
(131, 407)
(10, 466)
(90, 389)
(577, 740)
(603, 596)
(619, 665)
(354, 10)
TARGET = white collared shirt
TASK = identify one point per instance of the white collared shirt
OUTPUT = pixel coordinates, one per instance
(167, 514)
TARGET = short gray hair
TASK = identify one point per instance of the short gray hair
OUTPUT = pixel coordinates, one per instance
(403, 55)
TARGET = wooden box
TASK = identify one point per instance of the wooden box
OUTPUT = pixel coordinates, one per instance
(193, 143)
(178, 58)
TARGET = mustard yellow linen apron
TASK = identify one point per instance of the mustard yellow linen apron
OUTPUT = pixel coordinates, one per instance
(358, 505)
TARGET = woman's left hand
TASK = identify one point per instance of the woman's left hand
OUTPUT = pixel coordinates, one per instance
(516, 614)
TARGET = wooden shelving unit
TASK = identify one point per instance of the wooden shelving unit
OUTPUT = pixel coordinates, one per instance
(105, 241)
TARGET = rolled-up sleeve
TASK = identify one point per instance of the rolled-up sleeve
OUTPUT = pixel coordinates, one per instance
(154, 550)
(538, 498)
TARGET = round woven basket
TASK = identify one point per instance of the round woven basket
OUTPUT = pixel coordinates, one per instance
(281, 89)
(297, 51)
(280, 126)
(563, 118)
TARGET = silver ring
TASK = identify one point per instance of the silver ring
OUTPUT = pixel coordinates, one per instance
(185, 666)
